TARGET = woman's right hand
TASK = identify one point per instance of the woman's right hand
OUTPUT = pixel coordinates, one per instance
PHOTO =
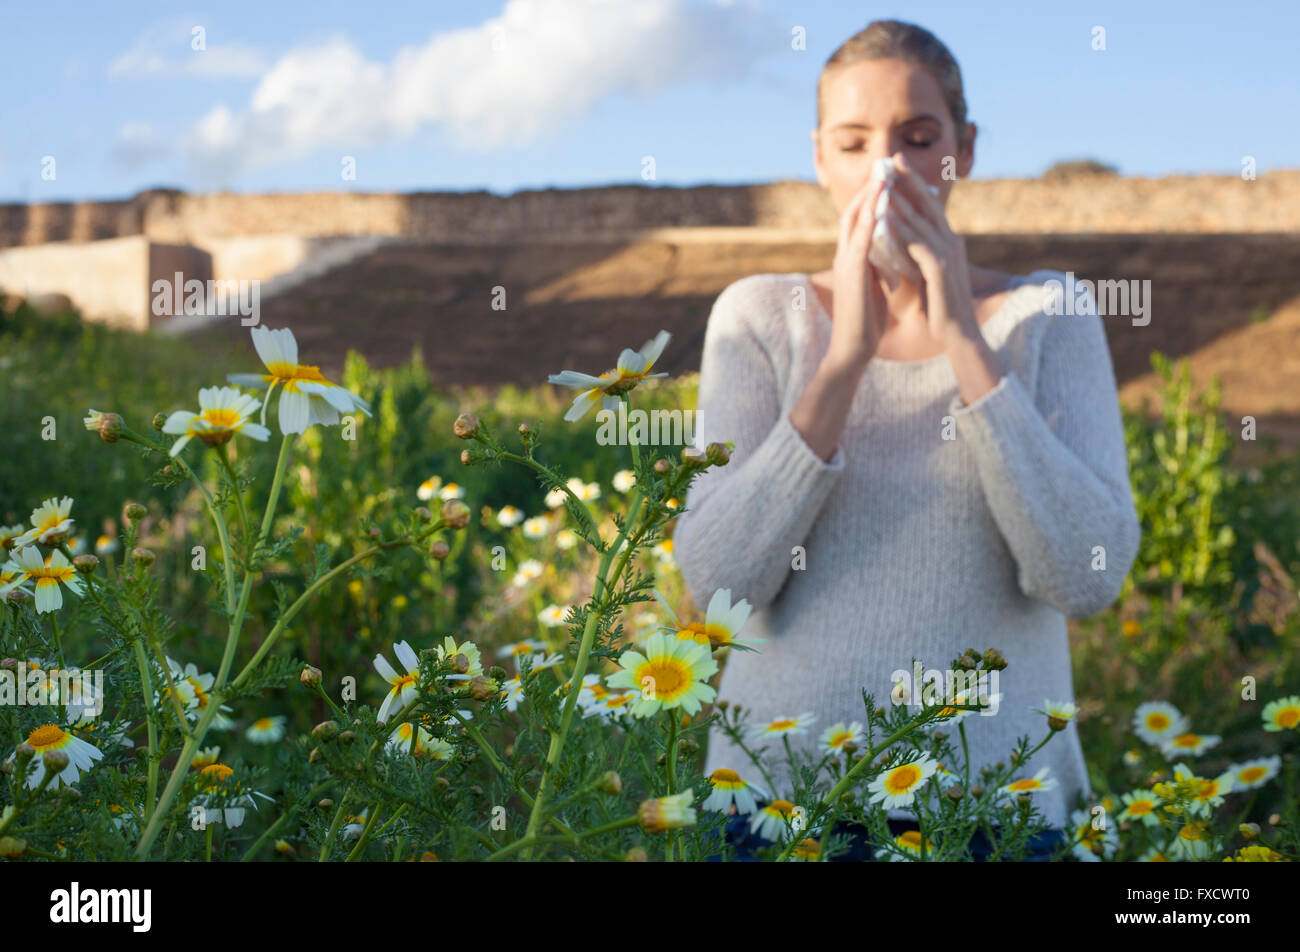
(859, 306)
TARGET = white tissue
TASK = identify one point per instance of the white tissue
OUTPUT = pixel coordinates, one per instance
(887, 254)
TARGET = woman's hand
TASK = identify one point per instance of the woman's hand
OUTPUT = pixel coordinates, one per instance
(860, 309)
(918, 219)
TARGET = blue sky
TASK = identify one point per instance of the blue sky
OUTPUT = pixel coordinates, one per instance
(503, 96)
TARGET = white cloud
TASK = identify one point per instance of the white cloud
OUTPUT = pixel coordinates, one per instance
(167, 50)
(523, 74)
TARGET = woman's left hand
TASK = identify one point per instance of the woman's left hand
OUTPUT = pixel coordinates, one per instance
(918, 219)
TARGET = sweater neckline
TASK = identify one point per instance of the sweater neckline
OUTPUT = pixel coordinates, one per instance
(1019, 283)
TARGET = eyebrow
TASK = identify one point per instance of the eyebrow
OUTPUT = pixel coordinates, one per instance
(906, 122)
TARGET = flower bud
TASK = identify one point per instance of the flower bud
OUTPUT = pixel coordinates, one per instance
(1249, 831)
(134, 511)
(480, 688)
(1275, 819)
(347, 737)
(283, 848)
(994, 661)
(11, 847)
(693, 458)
(466, 457)
(159, 421)
(663, 467)
(955, 793)
(717, 454)
(423, 514)
(439, 550)
(442, 782)
(977, 791)
(611, 783)
(525, 429)
(9, 664)
(314, 755)
(659, 814)
(310, 676)
(455, 514)
(143, 556)
(107, 425)
(24, 752)
(460, 664)
(85, 564)
(466, 426)
(688, 747)
(17, 595)
(326, 803)
(636, 855)
(56, 761)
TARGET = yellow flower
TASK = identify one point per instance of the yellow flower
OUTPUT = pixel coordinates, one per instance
(1131, 629)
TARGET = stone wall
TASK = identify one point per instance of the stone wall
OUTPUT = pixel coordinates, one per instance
(1082, 205)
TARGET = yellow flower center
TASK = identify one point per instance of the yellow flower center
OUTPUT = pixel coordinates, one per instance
(215, 775)
(1251, 774)
(669, 677)
(290, 374)
(725, 777)
(1028, 783)
(221, 418)
(45, 737)
(263, 723)
(782, 725)
(1187, 740)
(1287, 717)
(840, 739)
(780, 807)
(1139, 807)
(904, 778)
(1157, 722)
(911, 840)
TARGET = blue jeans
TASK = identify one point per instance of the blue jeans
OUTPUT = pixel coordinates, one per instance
(1042, 846)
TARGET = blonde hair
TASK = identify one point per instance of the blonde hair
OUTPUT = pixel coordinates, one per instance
(893, 39)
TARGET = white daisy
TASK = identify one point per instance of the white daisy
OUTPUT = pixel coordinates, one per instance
(81, 755)
(223, 412)
(405, 685)
(555, 498)
(306, 397)
(633, 368)
(1092, 845)
(784, 725)
(773, 820)
(106, 545)
(624, 480)
(518, 649)
(1188, 744)
(1282, 714)
(46, 574)
(1038, 783)
(266, 730)
(669, 673)
(536, 527)
(729, 789)
(1156, 721)
(722, 622)
(223, 799)
(510, 516)
(426, 745)
(451, 491)
(51, 522)
(528, 570)
(1254, 773)
(897, 786)
(429, 488)
(835, 737)
(566, 539)
(552, 616)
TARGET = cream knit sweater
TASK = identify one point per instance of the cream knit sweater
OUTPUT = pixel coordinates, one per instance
(915, 546)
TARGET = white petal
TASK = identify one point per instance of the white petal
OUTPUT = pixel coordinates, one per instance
(295, 411)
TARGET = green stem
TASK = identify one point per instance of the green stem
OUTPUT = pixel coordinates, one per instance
(672, 773)
(146, 686)
(334, 828)
(579, 672)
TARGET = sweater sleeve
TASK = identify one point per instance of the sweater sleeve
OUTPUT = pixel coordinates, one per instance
(741, 521)
(1055, 470)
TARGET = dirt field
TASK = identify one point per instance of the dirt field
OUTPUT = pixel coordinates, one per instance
(1218, 298)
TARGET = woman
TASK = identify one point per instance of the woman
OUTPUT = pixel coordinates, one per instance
(922, 465)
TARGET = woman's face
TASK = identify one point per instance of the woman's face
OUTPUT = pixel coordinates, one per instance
(877, 108)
